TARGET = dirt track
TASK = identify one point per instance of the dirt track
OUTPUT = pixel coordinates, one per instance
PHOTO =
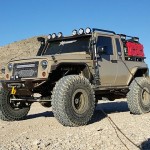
(42, 131)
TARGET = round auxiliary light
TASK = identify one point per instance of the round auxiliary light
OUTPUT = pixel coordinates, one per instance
(123, 37)
(54, 35)
(74, 32)
(44, 64)
(60, 35)
(88, 30)
(49, 36)
(10, 67)
(7, 76)
(81, 31)
(135, 39)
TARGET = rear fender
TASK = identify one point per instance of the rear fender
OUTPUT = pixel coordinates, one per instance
(137, 72)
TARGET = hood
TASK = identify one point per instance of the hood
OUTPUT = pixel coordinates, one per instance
(36, 58)
(62, 56)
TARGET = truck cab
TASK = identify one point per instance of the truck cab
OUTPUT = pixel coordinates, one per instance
(116, 66)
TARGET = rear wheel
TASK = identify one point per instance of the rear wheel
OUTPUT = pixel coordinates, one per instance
(73, 101)
(11, 110)
(138, 97)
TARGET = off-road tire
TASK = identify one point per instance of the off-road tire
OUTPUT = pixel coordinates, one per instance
(64, 97)
(138, 98)
(7, 113)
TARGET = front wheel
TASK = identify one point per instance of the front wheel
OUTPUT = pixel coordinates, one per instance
(11, 110)
(73, 100)
(138, 97)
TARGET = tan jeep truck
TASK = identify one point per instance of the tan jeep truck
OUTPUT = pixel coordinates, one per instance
(71, 73)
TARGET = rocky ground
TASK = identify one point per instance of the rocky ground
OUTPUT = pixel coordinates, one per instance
(41, 131)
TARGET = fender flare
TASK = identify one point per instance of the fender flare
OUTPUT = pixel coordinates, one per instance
(134, 71)
(77, 64)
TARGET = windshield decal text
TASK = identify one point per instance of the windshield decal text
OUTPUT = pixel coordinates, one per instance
(67, 42)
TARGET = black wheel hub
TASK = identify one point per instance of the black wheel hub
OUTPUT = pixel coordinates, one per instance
(79, 101)
(145, 97)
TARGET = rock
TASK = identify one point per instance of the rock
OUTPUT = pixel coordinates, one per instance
(37, 142)
(47, 144)
(16, 145)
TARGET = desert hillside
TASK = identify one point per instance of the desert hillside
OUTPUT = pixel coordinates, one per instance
(24, 48)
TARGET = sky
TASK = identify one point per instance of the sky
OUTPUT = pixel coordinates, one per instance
(21, 19)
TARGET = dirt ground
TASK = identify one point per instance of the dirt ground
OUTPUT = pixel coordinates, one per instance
(40, 130)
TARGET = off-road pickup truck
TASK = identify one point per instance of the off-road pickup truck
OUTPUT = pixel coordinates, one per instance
(71, 73)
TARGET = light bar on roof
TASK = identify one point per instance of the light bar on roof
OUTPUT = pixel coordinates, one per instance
(74, 32)
(81, 31)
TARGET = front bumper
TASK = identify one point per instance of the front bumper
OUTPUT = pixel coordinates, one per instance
(24, 88)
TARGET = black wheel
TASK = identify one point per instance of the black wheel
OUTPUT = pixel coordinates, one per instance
(46, 104)
(138, 97)
(73, 101)
(11, 110)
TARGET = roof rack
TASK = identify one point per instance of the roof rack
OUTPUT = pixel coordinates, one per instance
(126, 35)
(101, 30)
(133, 38)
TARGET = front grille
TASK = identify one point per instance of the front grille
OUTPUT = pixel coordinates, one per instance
(25, 70)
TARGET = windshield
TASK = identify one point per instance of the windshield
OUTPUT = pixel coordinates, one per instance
(68, 46)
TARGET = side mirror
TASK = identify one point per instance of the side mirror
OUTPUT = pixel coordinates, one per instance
(41, 39)
(101, 50)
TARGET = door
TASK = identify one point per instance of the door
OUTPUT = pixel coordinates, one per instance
(107, 61)
(122, 71)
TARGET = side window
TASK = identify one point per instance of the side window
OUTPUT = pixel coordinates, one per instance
(105, 41)
(118, 46)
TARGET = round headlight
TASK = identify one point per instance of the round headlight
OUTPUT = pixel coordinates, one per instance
(74, 32)
(54, 35)
(49, 36)
(81, 31)
(44, 64)
(87, 30)
(10, 67)
(60, 35)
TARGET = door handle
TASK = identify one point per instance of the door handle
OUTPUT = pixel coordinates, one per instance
(114, 61)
